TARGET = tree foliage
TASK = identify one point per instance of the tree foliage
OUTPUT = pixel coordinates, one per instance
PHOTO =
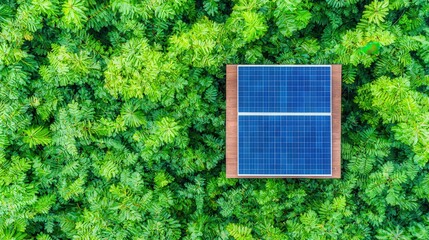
(112, 119)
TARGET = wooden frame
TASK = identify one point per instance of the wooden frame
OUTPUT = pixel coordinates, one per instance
(231, 125)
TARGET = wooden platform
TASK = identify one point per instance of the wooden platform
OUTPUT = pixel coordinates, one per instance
(231, 125)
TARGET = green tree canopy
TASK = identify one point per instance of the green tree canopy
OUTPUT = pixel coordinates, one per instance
(112, 119)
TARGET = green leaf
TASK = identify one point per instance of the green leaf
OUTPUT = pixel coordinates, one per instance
(162, 179)
(11, 234)
(255, 26)
(37, 136)
(239, 232)
(167, 129)
(211, 94)
(5, 13)
(131, 115)
(74, 13)
(392, 233)
(109, 169)
(376, 11)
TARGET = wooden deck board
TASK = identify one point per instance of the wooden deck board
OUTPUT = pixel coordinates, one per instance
(336, 121)
(231, 125)
(231, 121)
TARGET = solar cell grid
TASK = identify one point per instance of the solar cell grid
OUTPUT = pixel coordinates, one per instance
(283, 89)
(284, 120)
(284, 145)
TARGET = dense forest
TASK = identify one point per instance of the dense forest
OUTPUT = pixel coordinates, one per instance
(112, 119)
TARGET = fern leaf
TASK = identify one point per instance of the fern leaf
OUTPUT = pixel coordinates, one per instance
(167, 129)
(239, 232)
(37, 136)
(376, 11)
(74, 13)
(211, 94)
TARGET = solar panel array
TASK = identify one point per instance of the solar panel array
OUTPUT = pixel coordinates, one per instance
(284, 89)
(284, 120)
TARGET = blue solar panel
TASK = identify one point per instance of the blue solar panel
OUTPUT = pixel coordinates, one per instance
(284, 88)
(284, 145)
(284, 120)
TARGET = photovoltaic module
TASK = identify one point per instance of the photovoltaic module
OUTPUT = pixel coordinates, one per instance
(284, 120)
